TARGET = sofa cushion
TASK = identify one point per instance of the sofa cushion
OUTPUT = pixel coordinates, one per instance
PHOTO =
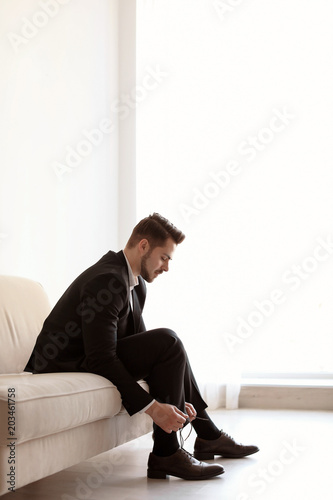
(53, 402)
(24, 306)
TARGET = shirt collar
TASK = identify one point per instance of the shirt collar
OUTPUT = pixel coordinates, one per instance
(133, 280)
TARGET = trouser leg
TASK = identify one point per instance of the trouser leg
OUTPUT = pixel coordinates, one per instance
(158, 356)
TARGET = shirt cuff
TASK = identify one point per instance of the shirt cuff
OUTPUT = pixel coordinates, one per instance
(148, 406)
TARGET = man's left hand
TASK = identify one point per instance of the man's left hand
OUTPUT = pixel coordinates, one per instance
(190, 411)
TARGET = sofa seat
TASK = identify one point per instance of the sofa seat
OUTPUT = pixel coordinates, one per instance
(55, 402)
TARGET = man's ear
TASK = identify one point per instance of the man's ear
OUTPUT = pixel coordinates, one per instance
(143, 246)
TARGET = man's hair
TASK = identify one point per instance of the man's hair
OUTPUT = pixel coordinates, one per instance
(156, 229)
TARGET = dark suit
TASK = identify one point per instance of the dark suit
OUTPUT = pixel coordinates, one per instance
(92, 328)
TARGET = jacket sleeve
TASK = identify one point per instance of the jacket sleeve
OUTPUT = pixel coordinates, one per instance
(102, 304)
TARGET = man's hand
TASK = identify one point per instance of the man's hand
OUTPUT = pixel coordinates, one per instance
(166, 416)
(190, 411)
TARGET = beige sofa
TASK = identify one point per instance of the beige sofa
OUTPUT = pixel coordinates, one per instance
(49, 422)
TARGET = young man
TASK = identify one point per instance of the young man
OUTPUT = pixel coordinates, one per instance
(98, 320)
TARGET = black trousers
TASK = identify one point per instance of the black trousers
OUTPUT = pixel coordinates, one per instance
(158, 356)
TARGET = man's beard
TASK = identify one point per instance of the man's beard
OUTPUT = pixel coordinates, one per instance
(144, 271)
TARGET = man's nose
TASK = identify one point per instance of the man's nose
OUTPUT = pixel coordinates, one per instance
(165, 266)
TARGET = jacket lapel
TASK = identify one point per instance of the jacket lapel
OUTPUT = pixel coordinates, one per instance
(139, 296)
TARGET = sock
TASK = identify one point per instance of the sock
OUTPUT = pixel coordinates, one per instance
(205, 429)
(164, 444)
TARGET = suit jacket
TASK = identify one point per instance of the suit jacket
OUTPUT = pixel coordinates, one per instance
(81, 332)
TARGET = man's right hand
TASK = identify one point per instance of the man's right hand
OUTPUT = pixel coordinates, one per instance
(166, 416)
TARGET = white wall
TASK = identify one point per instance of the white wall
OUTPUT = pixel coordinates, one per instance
(59, 78)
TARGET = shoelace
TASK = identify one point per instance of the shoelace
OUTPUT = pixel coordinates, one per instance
(182, 440)
(230, 437)
(226, 435)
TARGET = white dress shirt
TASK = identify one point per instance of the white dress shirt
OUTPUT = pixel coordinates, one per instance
(134, 281)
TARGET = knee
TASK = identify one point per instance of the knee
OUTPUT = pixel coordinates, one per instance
(170, 338)
(166, 333)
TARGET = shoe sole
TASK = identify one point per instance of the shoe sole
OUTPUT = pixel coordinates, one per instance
(210, 456)
(156, 474)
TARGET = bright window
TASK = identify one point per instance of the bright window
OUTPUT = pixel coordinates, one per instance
(234, 145)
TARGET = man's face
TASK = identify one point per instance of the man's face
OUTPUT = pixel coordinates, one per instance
(155, 261)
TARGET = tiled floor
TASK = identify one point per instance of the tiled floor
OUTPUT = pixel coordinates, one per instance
(294, 463)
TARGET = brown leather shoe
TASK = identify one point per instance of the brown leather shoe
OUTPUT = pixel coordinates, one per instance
(205, 449)
(181, 464)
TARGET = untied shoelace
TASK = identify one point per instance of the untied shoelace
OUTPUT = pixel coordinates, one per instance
(181, 439)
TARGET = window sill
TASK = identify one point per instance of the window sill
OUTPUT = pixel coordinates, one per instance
(287, 382)
(287, 393)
